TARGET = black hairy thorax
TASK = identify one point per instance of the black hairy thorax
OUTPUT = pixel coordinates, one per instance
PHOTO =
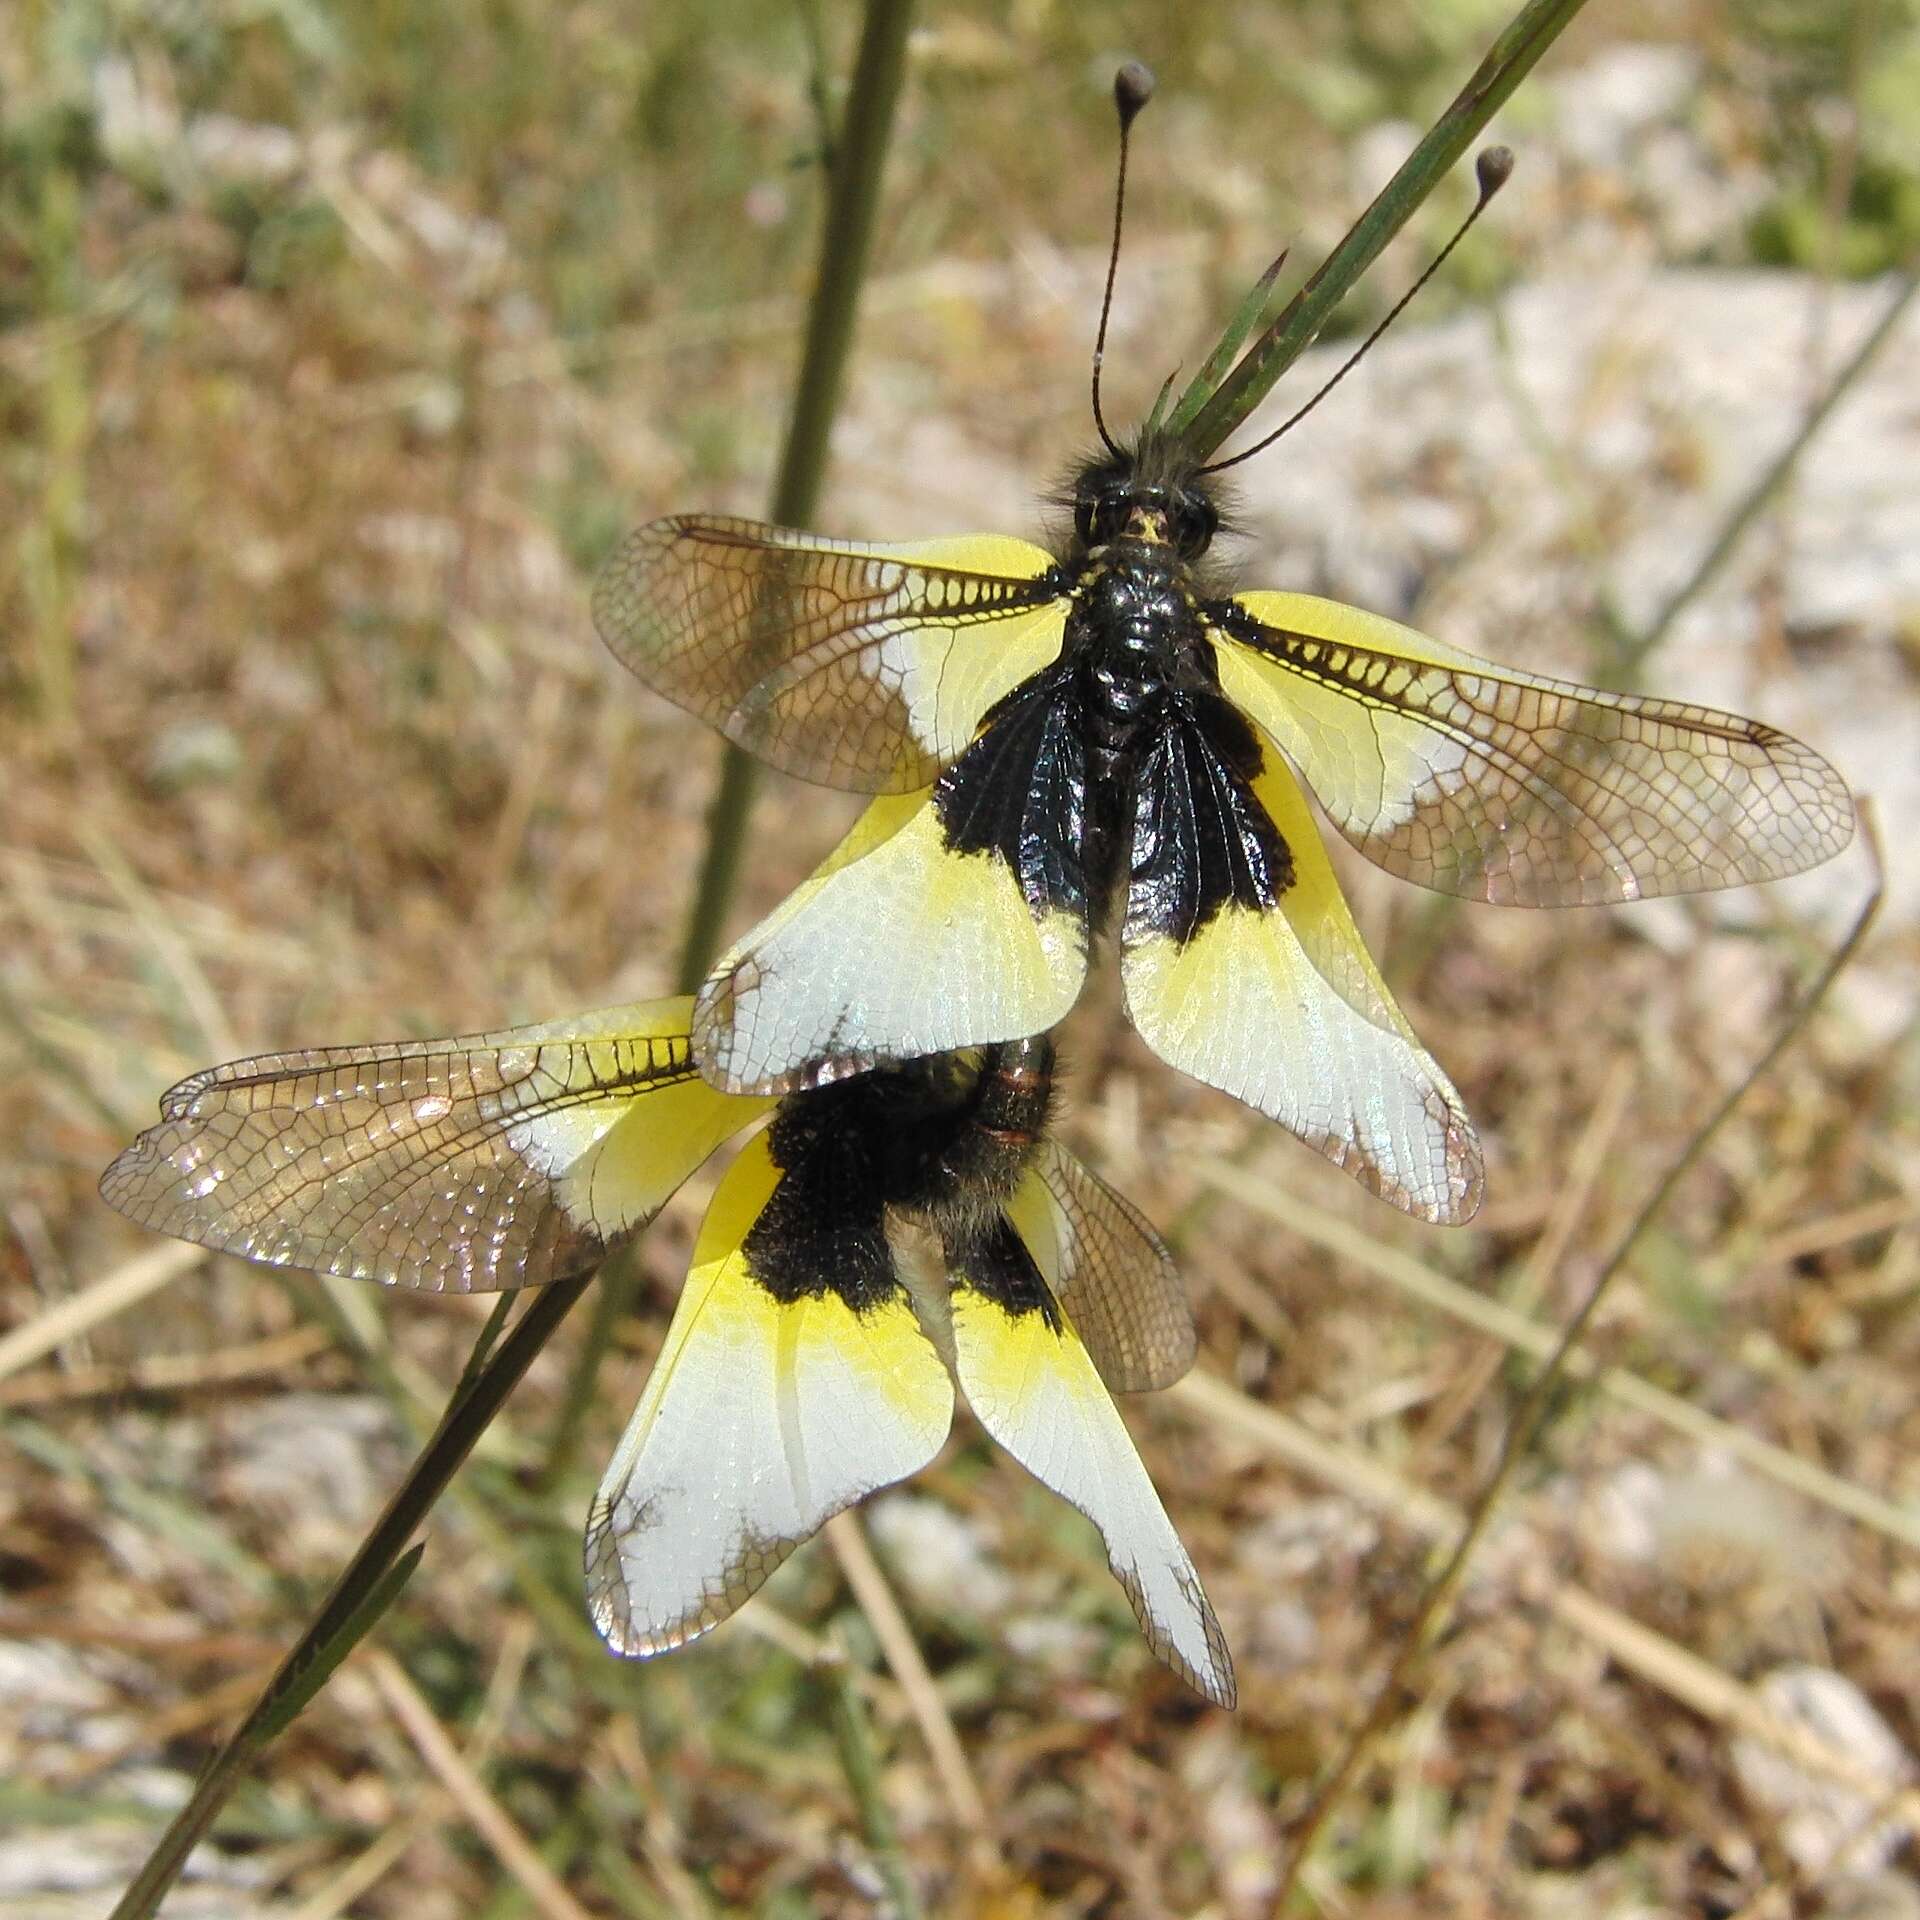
(1123, 761)
(943, 1140)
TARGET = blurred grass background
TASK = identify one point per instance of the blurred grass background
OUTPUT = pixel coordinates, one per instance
(336, 346)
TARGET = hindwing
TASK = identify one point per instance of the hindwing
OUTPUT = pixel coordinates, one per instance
(1242, 966)
(794, 1380)
(948, 918)
(1031, 1384)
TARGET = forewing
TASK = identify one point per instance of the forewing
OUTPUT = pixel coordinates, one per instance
(1108, 1268)
(1267, 990)
(1034, 1387)
(1499, 785)
(769, 1410)
(851, 663)
(929, 929)
(471, 1165)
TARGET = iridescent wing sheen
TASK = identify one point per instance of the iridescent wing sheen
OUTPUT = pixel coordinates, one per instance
(1494, 784)
(471, 1165)
(1108, 1268)
(850, 663)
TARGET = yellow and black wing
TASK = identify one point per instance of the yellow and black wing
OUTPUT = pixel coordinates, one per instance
(854, 664)
(470, 1165)
(1494, 784)
(934, 926)
(1242, 966)
(794, 1380)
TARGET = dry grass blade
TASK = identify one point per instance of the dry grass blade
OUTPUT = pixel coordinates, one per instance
(368, 1867)
(1839, 1229)
(192, 1715)
(766, 1622)
(1544, 1258)
(171, 1372)
(902, 1651)
(112, 1293)
(493, 1372)
(363, 1871)
(489, 1819)
(1717, 1696)
(1533, 1415)
(1419, 1281)
(860, 1762)
(1284, 1438)
(169, 945)
(663, 1841)
(1696, 1683)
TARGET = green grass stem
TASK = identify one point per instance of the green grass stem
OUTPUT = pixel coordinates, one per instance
(846, 238)
(371, 1579)
(1205, 414)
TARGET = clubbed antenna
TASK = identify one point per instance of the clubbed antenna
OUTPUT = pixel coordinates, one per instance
(1493, 167)
(1132, 89)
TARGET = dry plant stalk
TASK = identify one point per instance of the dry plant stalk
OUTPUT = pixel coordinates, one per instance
(1534, 1415)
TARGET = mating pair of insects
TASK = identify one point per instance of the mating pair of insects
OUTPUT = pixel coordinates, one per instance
(1059, 741)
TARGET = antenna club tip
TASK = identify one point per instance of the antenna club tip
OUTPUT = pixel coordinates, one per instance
(1132, 89)
(1493, 167)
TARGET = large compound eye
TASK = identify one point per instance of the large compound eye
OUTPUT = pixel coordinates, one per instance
(1193, 522)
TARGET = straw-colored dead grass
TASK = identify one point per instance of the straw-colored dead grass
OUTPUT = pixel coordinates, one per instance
(342, 759)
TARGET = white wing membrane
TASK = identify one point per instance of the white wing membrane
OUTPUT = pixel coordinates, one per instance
(761, 1419)
(896, 948)
(1032, 1386)
(1284, 1009)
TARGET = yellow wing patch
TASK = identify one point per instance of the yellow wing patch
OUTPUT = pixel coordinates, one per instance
(760, 1421)
(895, 948)
(1285, 1010)
(949, 688)
(1499, 785)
